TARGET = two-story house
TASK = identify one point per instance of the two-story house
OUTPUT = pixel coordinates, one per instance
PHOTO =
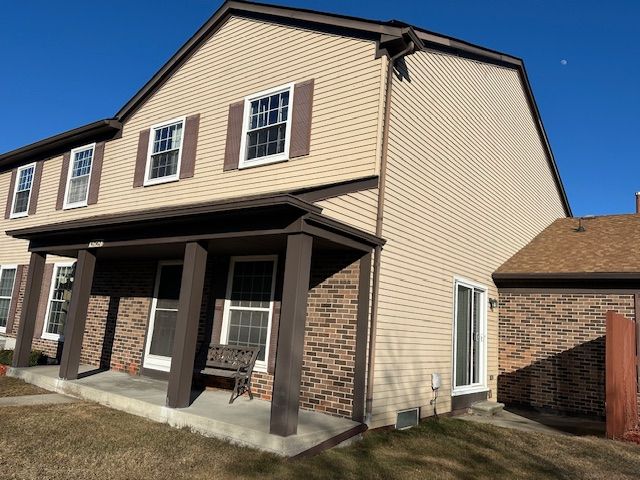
(333, 190)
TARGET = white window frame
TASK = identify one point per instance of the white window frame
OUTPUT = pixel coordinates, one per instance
(15, 191)
(156, 362)
(275, 158)
(170, 178)
(260, 366)
(482, 368)
(66, 204)
(3, 268)
(46, 335)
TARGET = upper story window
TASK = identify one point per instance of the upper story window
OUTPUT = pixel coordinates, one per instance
(165, 150)
(267, 127)
(78, 180)
(22, 192)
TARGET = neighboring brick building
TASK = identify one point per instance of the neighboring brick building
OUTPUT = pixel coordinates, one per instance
(554, 296)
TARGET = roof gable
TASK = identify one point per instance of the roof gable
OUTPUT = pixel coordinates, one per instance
(391, 37)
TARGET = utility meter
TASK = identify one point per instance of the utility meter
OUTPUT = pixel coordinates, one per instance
(435, 381)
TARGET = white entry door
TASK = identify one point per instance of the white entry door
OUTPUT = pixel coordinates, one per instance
(164, 312)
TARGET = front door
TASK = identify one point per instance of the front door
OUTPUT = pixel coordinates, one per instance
(164, 312)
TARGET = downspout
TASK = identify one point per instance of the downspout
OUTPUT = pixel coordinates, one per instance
(379, 217)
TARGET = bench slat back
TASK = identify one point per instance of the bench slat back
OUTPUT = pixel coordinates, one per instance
(231, 357)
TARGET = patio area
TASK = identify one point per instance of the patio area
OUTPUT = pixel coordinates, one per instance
(245, 422)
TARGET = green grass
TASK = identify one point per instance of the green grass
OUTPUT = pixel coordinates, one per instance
(12, 387)
(88, 441)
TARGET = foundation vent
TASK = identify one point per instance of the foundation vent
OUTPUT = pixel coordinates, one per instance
(407, 418)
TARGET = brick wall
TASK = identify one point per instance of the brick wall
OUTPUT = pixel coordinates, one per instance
(552, 349)
(329, 344)
(116, 319)
(118, 314)
(119, 309)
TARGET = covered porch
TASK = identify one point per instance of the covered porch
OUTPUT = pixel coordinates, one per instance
(244, 422)
(283, 226)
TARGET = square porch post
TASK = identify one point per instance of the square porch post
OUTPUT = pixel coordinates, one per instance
(293, 313)
(29, 310)
(362, 327)
(77, 315)
(186, 335)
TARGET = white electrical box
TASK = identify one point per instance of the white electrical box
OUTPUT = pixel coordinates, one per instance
(435, 381)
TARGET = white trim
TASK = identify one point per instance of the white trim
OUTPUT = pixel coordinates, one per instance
(15, 191)
(65, 204)
(46, 335)
(9, 267)
(482, 384)
(260, 366)
(156, 362)
(170, 178)
(246, 112)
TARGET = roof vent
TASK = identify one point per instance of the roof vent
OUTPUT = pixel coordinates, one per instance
(580, 227)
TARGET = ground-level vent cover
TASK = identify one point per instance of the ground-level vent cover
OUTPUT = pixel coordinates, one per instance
(407, 418)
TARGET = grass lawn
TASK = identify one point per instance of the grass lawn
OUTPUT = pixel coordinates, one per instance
(88, 441)
(12, 387)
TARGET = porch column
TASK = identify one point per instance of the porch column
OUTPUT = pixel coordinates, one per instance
(77, 314)
(288, 368)
(29, 309)
(362, 324)
(186, 335)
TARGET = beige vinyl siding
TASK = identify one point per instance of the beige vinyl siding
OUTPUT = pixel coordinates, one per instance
(468, 184)
(358, 209)
(243, 57)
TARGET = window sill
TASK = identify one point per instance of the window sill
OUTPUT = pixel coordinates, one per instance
(467, 390)
(19, 215)
(52, 337)
(160, 181)
(243, 165)
(74, 205)
(260, 368)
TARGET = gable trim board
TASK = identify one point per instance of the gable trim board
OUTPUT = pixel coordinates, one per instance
(106, 129)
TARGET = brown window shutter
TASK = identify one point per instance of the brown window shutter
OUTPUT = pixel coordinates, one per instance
(35, 188)
(44, 298)
(273, 340)
(234, 136)
(301, 119)
(216, 334)
(189, 146)
(141, 158)
(14, 298)
(12, 186)
(62, 185)
(96, 174)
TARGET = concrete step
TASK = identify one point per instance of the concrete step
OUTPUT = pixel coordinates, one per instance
(486, 409)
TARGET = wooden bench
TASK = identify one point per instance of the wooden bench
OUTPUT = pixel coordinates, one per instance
(232, 361)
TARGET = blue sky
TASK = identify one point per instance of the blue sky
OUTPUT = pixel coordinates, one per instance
(68, 63)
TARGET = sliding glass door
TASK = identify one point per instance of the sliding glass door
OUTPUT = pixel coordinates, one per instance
(469, 337)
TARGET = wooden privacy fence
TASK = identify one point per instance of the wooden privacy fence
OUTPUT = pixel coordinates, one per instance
(621, 379)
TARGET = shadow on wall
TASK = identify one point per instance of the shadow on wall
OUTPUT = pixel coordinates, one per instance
(570, 382)
(109, 332)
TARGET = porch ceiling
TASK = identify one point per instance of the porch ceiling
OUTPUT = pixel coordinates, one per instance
(255, 222)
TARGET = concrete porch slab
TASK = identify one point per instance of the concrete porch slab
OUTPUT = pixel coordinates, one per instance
(245, 422)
